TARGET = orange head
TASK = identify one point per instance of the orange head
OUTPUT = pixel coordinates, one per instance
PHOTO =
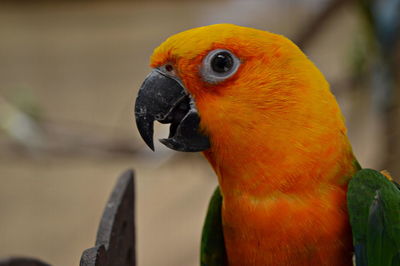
(270, 118)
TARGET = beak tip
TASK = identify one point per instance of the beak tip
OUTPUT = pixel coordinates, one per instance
(152, 148)
(149, 141)
(145, 126)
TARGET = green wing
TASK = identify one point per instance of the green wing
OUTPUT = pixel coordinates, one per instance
(374, 210)
(212, 251)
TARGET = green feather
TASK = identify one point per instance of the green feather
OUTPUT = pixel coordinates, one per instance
(212, 251)
(374, 210)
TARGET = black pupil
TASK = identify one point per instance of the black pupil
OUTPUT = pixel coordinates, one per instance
(222, 62)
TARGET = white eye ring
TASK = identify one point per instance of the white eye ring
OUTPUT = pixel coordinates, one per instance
(219, 65)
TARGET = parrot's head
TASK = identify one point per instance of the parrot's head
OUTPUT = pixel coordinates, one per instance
(233, 91)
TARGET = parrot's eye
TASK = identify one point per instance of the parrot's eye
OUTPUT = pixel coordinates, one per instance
(219, 65)
(222, 62)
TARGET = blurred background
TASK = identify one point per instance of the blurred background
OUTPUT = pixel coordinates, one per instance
(69, 73)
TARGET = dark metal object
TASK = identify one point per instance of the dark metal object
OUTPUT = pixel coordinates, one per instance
(115, 242)
(22, 262)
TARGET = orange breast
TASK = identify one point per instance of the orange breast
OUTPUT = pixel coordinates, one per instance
(288, 230)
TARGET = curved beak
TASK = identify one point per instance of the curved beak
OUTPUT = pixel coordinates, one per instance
(163, 98)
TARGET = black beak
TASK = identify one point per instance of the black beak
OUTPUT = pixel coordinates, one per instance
(163, 98)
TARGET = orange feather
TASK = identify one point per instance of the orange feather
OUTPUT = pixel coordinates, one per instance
(279, 147)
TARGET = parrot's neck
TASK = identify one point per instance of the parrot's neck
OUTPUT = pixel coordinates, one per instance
(260, 169)
(281, 194)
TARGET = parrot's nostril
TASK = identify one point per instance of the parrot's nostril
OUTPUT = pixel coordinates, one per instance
(169, 67)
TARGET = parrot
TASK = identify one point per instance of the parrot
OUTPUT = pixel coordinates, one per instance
(290, 190)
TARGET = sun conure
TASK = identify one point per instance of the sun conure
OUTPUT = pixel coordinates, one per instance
(290, 190)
